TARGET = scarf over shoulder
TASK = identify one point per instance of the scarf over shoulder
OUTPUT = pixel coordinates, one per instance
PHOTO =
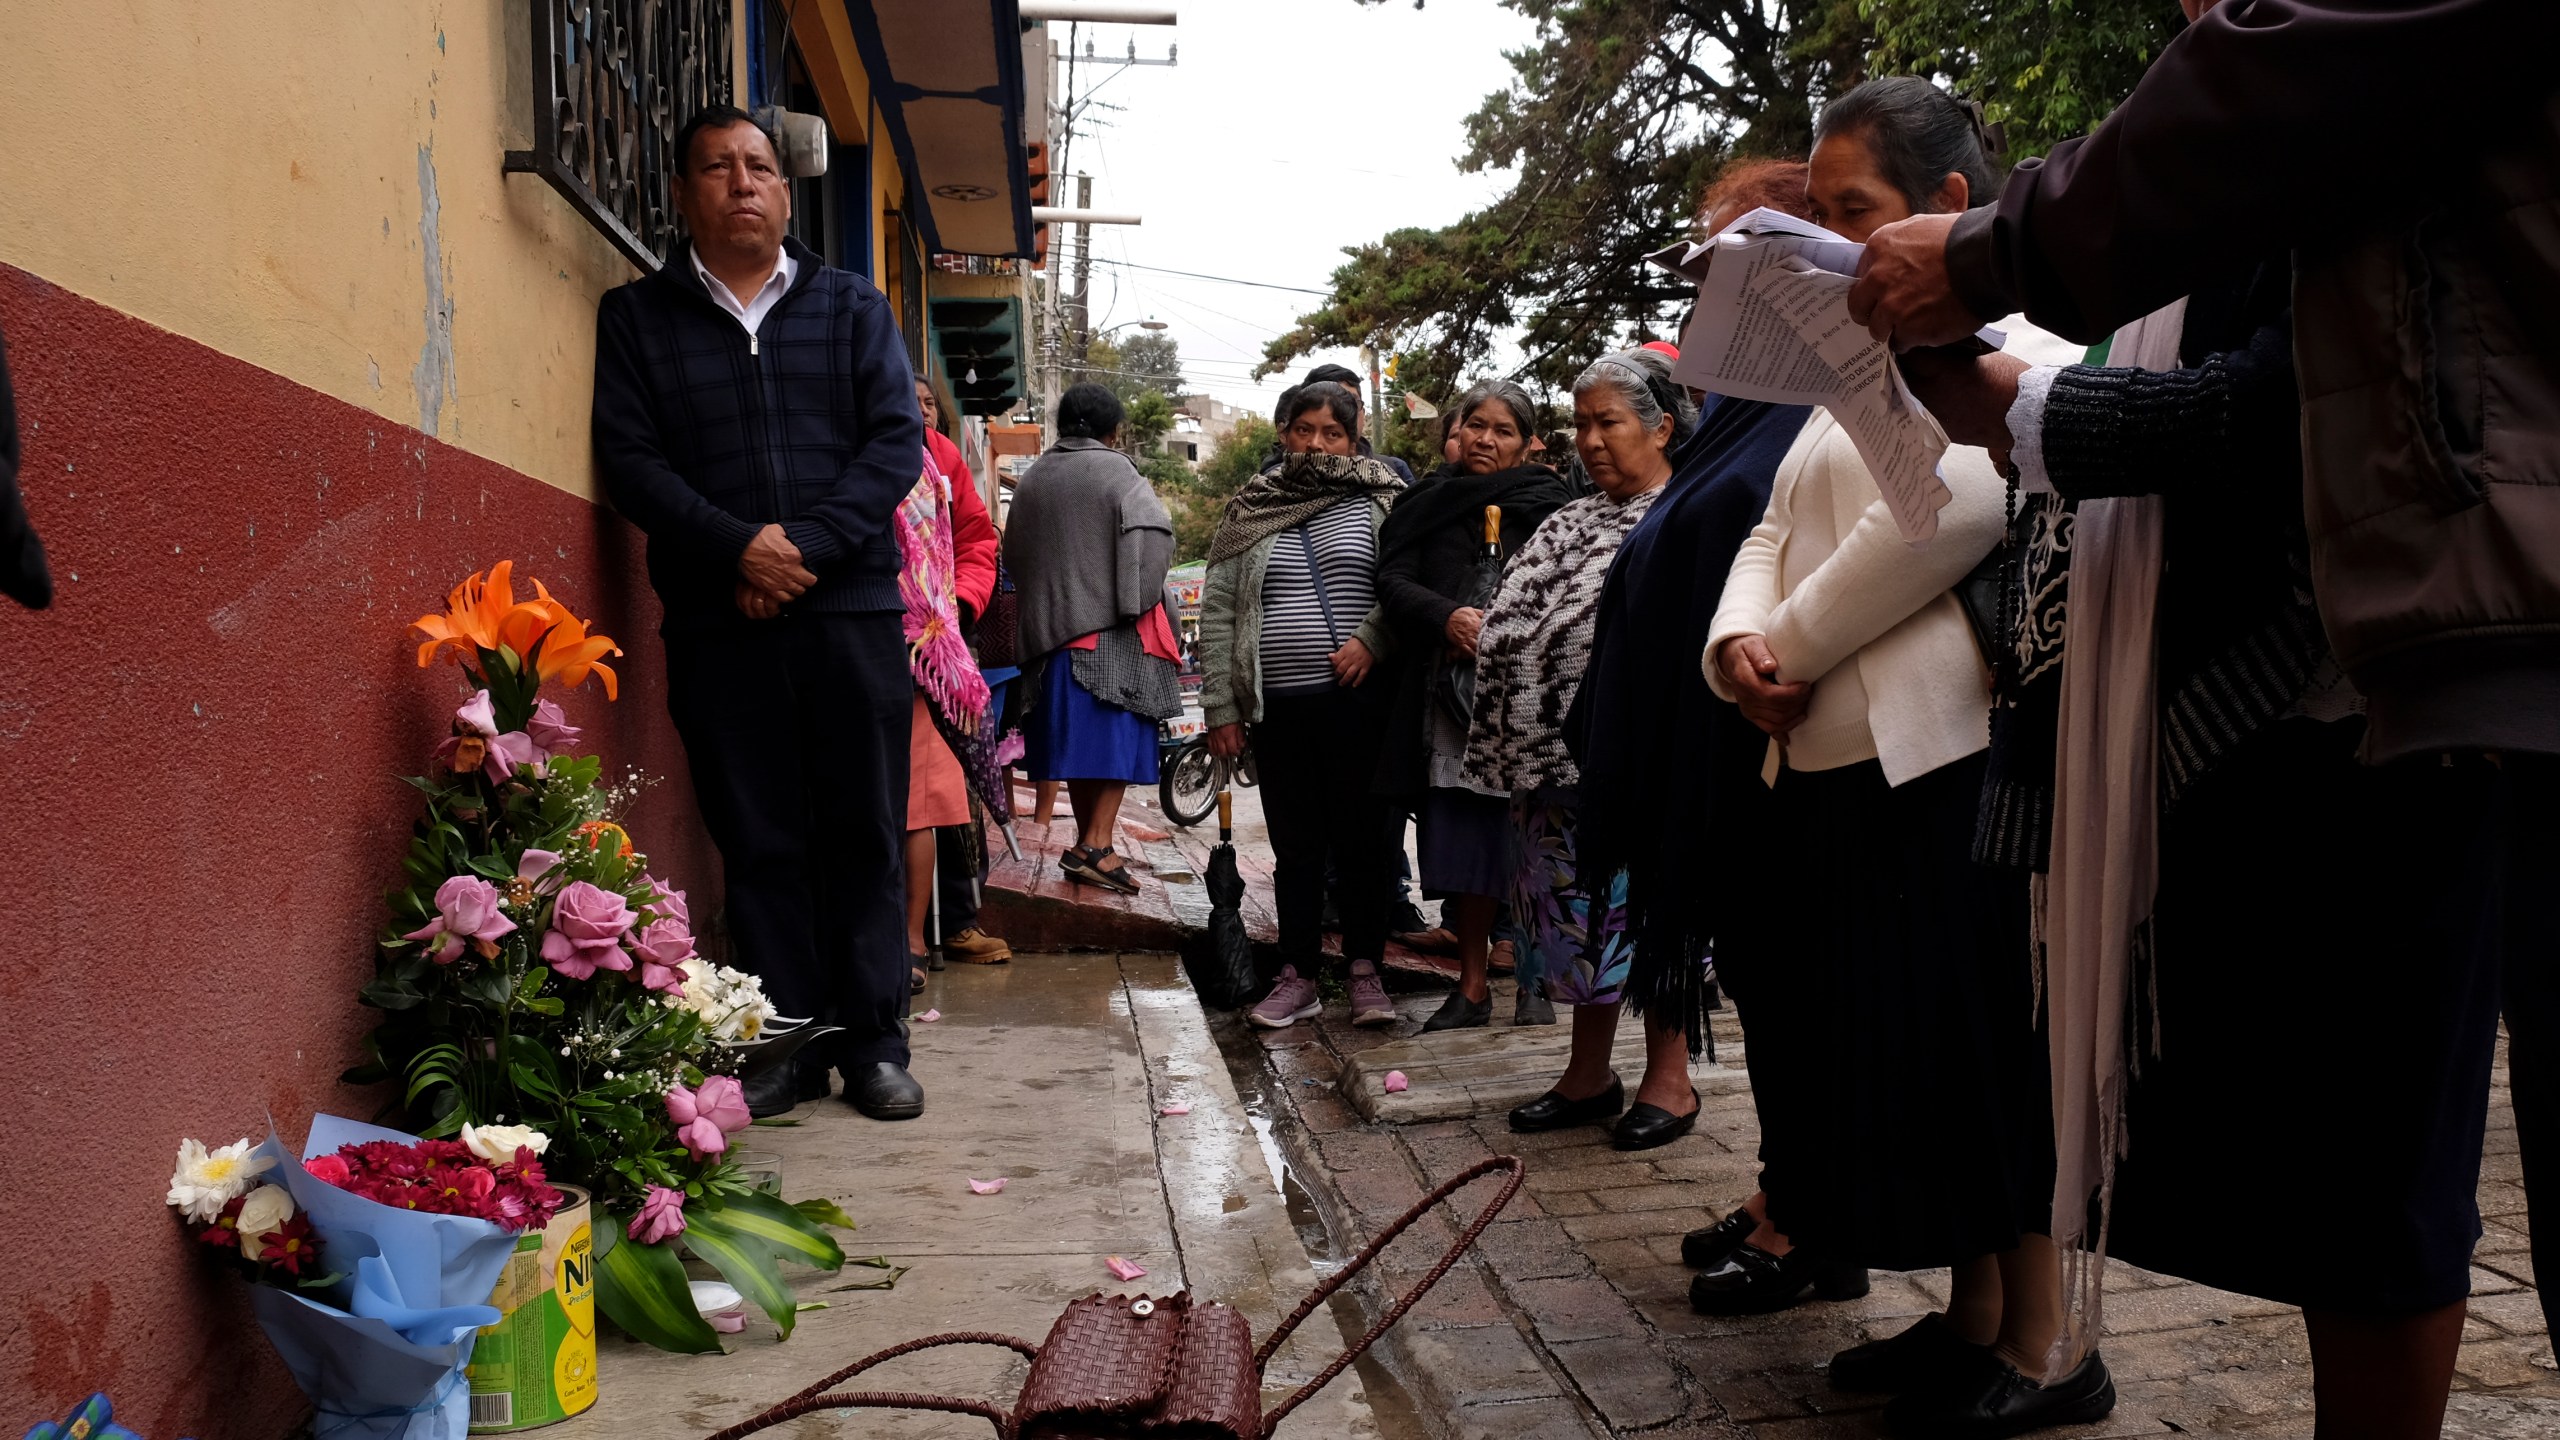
(1536, 643)
(1294, 491)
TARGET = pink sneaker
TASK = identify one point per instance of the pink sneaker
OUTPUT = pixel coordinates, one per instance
(1291, 1000)
(1369, 1002)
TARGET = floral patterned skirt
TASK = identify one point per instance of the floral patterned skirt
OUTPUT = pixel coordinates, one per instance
(1583, 955)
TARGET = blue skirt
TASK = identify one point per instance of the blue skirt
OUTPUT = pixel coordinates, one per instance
(1073, 736)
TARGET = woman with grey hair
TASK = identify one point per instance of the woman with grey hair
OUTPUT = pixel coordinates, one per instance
(1428, 573)
(1628, 419)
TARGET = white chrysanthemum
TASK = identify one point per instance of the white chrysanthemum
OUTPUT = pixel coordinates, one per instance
(207, 1180)
(261, 1215)
(497, 1143)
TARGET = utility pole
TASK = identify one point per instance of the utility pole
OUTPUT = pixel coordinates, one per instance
(1084, 274)
(1377, 399)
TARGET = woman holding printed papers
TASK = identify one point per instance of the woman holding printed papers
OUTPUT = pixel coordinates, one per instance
(1909, 1120)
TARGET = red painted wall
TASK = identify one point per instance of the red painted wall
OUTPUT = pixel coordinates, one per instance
(198, 810)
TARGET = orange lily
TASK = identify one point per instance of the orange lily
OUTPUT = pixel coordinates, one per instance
(569, 652)
(482, 613)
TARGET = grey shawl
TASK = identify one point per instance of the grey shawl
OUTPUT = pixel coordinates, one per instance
(1087, 543)
(1536, 642)
(1119, 671)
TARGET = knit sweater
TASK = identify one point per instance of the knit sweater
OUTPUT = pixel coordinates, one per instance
(705, 434)
(1087, 543)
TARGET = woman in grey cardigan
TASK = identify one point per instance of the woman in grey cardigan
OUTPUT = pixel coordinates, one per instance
(1088, 544)
(1289, 628)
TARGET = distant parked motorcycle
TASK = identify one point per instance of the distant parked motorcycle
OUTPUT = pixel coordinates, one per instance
(1188, 776)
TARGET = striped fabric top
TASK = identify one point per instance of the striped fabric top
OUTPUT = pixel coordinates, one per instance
(1298, 641)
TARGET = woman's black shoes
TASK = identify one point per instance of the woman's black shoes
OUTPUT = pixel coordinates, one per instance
(1460, 1013)
(1751, 1281)
(1552, 1111)
(1085, 867)
(1920, 1355)
(1989, 1400)
(1645, 1126)
(1706, 1249)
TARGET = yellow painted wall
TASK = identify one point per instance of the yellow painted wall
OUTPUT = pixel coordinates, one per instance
(314, 188)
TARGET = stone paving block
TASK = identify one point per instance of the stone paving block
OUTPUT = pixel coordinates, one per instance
(1531, 1420)
(1806, 1345)
(1486, 1364)
(1750, 1399)
(1460, 1073)
(2477, 1416)
(2500, 1199)
(1670, 1195)
(2502, 1364)
(1443, 1156)
(1569, 1205)
(1461, 1298)
(1619, 1224)
(2181, 1307)
(1576, 1307)
(2517, 1267)
(1653, 1281)
(1325, 1114)
(2262, 1346)
(1530, 1249)
(2487, 1281)
(1633, 1388)
(2516, 1313)
(1615, 1257)
(2499, 1238)
(1544, 1179)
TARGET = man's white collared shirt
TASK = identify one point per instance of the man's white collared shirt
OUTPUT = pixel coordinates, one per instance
(751, 313)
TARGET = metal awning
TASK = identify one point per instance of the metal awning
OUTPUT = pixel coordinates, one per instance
(947, 75)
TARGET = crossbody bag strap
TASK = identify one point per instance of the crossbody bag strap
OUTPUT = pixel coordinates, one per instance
(816, 1397)
(1315, 572)
(1509, 1164)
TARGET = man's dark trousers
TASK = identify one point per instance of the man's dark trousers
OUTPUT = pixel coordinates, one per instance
(796, 732)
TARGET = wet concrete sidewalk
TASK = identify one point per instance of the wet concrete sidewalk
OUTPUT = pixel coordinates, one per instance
(1050, 1072)
(1572, 1318)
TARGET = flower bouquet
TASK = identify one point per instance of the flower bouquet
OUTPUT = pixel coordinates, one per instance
(377, 1251)
(535, 973)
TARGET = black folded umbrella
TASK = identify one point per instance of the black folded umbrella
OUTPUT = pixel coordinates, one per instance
(1224, 975)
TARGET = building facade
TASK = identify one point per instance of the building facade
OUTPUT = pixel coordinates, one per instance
(300, 304)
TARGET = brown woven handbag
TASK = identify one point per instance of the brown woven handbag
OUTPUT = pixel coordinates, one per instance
(1118, 1367)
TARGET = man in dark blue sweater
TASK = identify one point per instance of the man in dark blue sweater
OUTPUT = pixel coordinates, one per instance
(755, 415)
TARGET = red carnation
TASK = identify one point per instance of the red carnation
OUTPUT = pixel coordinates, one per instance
(291, 1247)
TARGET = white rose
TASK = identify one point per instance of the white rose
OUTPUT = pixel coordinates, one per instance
(497, 1144)
(261, 1215)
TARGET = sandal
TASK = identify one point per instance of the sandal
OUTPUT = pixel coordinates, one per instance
(1086, 867)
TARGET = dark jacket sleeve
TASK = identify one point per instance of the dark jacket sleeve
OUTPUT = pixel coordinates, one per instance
(24, 577)
(2267, 124)
(2111, 430)
(1419, 613)
(632, 460)
(856, 509)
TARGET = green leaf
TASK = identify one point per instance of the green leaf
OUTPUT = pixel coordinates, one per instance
(823, 1212)
(788, 1232)
(742, 1259)
(389, 993)
(642, 1289)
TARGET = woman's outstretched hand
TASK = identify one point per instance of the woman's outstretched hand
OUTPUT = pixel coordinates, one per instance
(1753, 673)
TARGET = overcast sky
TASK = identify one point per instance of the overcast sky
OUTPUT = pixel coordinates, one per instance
(1289, 129)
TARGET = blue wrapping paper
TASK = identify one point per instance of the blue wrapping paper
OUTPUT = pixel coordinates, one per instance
(381, 1352)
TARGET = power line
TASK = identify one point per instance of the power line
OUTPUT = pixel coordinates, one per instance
(1221, 279)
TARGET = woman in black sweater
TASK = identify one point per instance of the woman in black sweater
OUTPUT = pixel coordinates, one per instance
(1428, 570)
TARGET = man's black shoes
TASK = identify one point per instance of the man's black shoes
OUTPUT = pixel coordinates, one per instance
(884, 1091)
(786, 1085)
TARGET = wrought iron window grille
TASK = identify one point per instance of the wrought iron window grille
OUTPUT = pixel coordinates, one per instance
(613, 81)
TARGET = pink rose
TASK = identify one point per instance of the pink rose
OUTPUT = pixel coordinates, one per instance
(662, 947)
(475, 1182)
(550, 730)
(587, 925)
(509, 751)
(466, 913)
(661, 1216)
(707, 1115)
(328, 1170)
(477, 717)
(666, 901)
(535, 866)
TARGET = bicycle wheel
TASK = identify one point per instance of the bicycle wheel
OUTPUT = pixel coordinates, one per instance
(1189, 784)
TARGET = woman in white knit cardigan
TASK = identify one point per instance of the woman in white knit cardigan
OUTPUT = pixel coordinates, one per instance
(1900, 1077)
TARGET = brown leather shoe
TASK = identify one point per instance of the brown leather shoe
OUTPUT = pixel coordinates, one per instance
(974, 946)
